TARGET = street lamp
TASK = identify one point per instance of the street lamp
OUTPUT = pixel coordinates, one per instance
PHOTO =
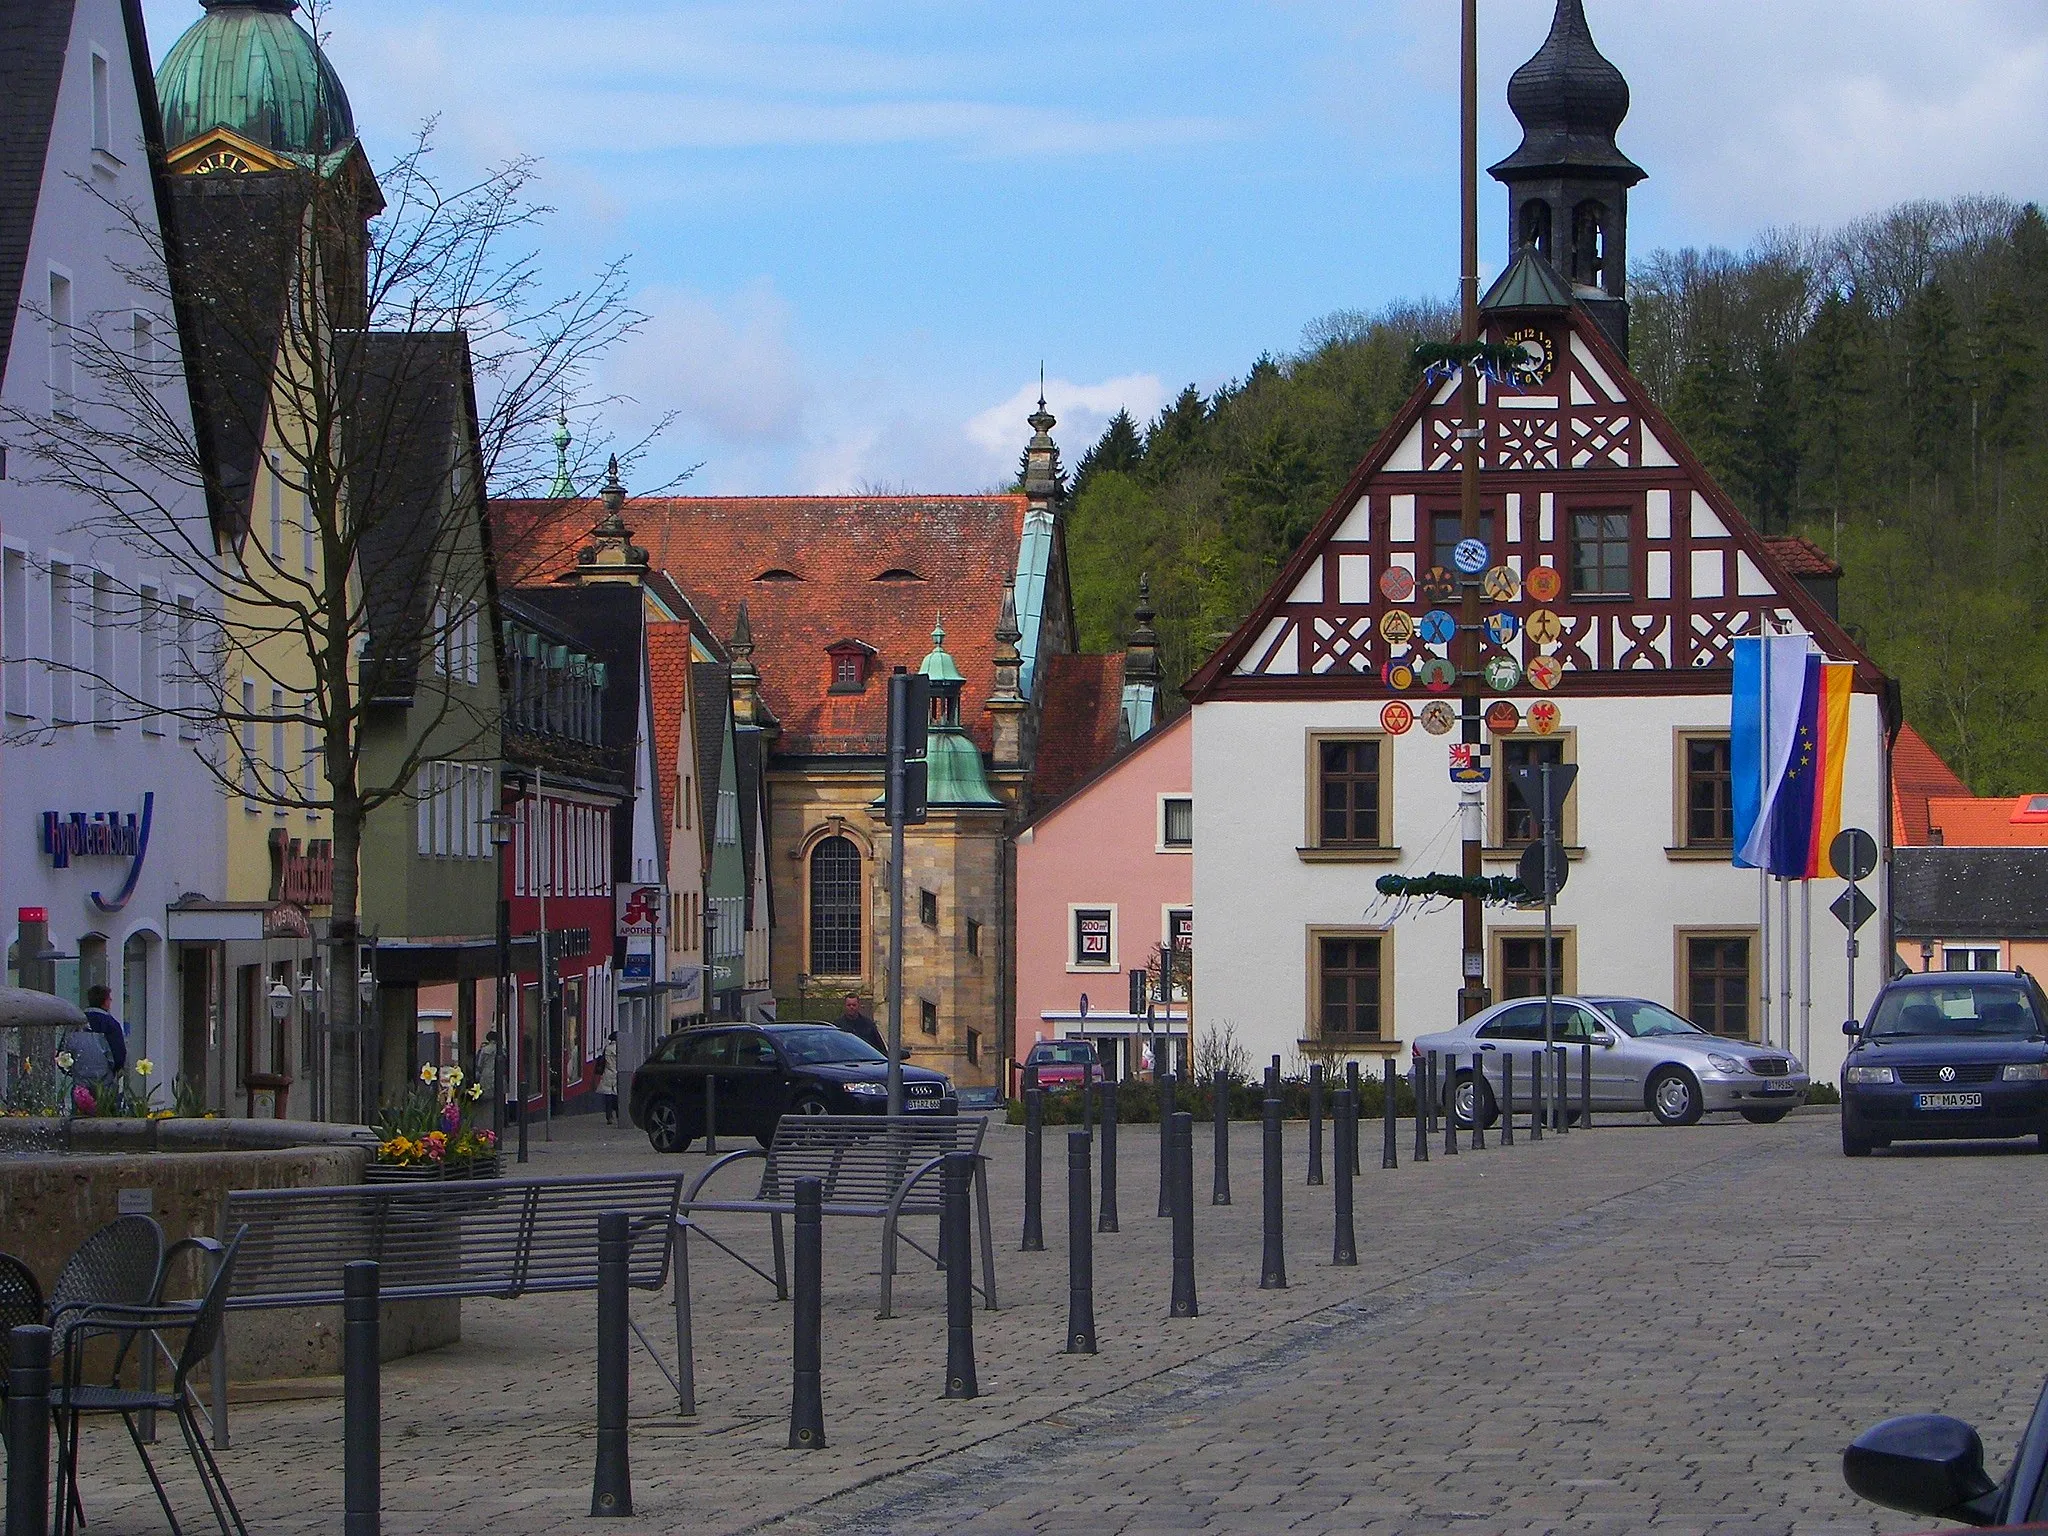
(315, 1040)
(1927, 954)
(366, 991)
(280, 1001)
(501, 824)
(710, 948)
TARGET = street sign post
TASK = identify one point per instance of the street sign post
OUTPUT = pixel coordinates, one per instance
(1853, 857)
(903, 792)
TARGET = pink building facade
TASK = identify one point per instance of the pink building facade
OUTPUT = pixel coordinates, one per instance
(1105, 886)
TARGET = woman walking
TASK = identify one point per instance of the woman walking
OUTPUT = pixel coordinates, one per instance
(608, 1080)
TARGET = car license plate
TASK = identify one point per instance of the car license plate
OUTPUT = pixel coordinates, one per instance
(912, 1106)
(1948, 1101)
(1775, 1090)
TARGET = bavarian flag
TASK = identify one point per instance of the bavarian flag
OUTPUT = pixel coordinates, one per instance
(1789, 728)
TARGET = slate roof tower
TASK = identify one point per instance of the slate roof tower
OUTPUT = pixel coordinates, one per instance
(1568, 183)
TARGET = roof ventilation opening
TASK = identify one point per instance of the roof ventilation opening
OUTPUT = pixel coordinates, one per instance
(777, 573)
(898, 573)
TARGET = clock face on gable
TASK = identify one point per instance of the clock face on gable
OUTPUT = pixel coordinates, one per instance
(221, 160)
(1539, 350)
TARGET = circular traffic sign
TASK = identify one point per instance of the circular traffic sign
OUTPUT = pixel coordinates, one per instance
(1545, 672)
(1544, 583)
(1502, 584)
(1470, 556)
(1545, 717)
(1536, 871)
(1438, 717)
(1398, 675)
(1438, 675)
(1543, 627)
(1502, 718)
(1438, 585)
(1397, 583)
(1437, 628)
(1853, 854)
(1501, 627)
(1396, 718)
(1397, 626)
(1502, 673)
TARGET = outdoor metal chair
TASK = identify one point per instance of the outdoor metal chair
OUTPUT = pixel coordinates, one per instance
(200, 1324)
(21, 1302)
(119, 1265)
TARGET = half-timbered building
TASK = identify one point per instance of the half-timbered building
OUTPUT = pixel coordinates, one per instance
(1628, 576)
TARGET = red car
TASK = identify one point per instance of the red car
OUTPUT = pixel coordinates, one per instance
(1064, 1063)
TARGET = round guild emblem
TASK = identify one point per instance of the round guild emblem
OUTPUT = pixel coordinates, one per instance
(1398, 675)
(1470, 556)
(1502, 584)
(1502, 627)
(1397, 719)
(1544, 583)
(1437, 628)
(1545, 672)
(1438, 675)
(1502, 673)
(1438, 585)
(1544, 717)
(1397, 626)
(1397, 584)
(1544, 627)
(1438, 717)
(1502, 718)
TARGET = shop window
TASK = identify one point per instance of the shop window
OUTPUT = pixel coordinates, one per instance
(1092, 939)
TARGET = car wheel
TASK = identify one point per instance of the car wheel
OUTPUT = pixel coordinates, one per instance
(1852, 1144)
(1766, 1116)
(1462, 1093)
(1674, 1097)
(665, 1127)
(810, 1104)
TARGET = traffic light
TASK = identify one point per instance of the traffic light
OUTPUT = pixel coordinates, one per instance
(910, 705)
(1137, 994)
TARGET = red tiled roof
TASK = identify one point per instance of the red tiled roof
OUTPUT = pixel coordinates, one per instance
(1975, 823)
(668, 680)
(1918, 775)
(1802, 557)
(716, 548)
(1083, 715)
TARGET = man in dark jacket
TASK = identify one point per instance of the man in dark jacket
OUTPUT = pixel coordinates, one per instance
(103, 1023)
(856, 1022)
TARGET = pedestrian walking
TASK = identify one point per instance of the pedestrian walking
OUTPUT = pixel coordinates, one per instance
(608, 1079)
(486, 1064)
(100, 1050)
(855, 1021)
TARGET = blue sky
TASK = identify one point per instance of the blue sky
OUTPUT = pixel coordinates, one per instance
(858, 227)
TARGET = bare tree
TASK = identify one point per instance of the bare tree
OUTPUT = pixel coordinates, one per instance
(366, 359)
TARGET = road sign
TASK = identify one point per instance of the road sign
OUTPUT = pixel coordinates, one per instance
(1852, 909)
(1543, 627)
(1397, 583)
(1540, 882)
(1471, 556)
(1397, 626)
(1438, 717)
(1502, 673)
(1398, 675)
(1501, 627)
(1544, 672)
(1084, 1007)
(1438, 675)
(1396, 718)
(1543, 583)
(1438, 585)
(1503, 718)
(1545, 717)
(1502, 585)
(1853, 854)
(1438, 627)
(1470, 763)
(1529, 780)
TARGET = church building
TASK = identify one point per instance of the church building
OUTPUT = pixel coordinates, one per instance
(1619, 577)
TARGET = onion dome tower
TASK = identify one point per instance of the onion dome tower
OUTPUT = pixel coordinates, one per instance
(954, 775)
(1568, 183)
(248, 68)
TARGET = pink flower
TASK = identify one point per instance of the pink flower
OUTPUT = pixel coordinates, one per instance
(450, 1118)
(82, 1099)
(437, 1145)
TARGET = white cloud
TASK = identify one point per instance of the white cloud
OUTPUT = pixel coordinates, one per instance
(1083, 411)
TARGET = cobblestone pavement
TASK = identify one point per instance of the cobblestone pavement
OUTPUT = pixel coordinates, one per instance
(1619, 1330)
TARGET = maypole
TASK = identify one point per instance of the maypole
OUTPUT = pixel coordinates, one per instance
(1471, 808)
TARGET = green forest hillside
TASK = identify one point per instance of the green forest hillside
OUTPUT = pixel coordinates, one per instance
(1877, 387)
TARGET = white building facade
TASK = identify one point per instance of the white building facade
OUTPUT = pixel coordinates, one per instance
(107, 814)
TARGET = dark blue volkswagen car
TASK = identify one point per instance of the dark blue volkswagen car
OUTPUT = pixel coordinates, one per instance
(1948, 1055)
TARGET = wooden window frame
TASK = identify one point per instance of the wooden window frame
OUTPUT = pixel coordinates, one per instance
(1313, 1041)
(1497, 845)
(1570, 540)
(1312, 849)
(1075, 966)
(1681, 988)
(1683, 847)
(1497, 957)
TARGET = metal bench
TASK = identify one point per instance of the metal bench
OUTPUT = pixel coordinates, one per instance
(871, 1166)
(498, 1238)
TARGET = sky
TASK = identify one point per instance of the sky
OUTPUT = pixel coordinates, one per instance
(859, 228)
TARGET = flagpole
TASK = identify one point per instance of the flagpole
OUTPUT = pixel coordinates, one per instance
(1785, 978)
(1763, 873)
(1806, 971)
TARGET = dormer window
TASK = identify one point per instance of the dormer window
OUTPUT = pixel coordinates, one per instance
(898, 573)
(777, 573)
(851, 663)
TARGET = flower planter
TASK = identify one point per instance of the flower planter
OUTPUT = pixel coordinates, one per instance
(432, 1173)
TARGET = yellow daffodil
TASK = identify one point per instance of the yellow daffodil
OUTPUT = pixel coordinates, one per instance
(144, 1067)
(427, 1073)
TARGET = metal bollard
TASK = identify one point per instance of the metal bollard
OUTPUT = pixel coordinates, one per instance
(1536, 1097)
(958, 1175)
(1416, 1075)
(1164, 1082)
(807, 1401)
(1219, 1112)
(28, 1432)
(1507, 1098)
(1106, 1222)
(1273, 1261)
(1034, 1174)
(1344, 1251)
(611, 1486)
(1446, 1104)
(1351, 1081)
(1315, 1123)
(362, 1451)
(1586, 1086)
(1181, 1135)
(1425, 1103)
(1080, 1247)
(1563, 1112)
(1390, 1145)
(711, 1114)
(1478, 1102)
(1088, 1089)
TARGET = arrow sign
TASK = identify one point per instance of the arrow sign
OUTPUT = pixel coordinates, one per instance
(1853, 909)
(1853, 854)
(1529, 781)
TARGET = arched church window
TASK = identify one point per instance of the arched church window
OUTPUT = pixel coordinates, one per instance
(1589, 244)
(1536, 226)
(835, 908)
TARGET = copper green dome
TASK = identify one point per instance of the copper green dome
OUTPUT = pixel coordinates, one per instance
(247, 66)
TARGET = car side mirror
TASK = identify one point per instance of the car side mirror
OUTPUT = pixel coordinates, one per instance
(1925, 1464)
(1851, 1028)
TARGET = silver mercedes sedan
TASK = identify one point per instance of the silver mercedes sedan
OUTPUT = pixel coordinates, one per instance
(1644, 1057)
